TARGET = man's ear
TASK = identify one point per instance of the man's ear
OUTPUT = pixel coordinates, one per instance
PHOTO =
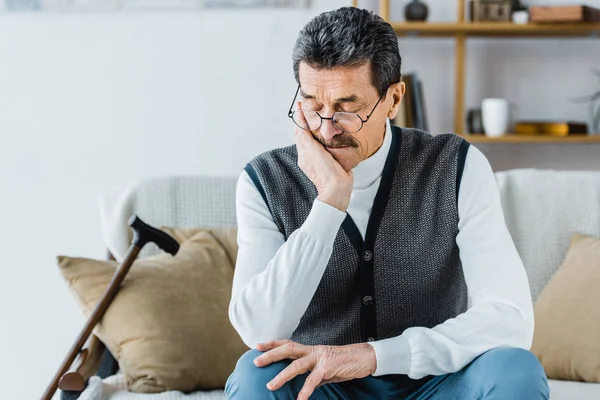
(397, 91)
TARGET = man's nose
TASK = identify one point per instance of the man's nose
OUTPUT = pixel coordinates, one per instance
(328, 130)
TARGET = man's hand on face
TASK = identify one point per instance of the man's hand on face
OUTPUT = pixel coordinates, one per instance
(327, 364)
(333, 183)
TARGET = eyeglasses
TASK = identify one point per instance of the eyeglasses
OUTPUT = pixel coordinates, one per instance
(344, 121)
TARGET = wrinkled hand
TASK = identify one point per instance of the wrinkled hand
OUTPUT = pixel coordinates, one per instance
(333, 183)
(327, 364)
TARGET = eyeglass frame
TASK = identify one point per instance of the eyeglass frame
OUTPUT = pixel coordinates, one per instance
(363, 122)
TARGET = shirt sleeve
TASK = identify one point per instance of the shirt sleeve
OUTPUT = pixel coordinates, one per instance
(501, 310)
(275, 279)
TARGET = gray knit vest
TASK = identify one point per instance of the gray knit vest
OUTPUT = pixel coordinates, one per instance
(407, 272)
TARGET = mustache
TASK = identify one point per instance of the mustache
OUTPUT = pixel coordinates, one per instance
(337, 141)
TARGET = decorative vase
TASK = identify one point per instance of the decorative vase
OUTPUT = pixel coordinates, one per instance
(416, 10)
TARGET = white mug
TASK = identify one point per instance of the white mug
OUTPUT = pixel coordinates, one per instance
(520, 17)
(495, 116)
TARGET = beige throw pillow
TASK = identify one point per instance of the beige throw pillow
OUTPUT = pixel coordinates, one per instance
(567, 315)
(168, 326)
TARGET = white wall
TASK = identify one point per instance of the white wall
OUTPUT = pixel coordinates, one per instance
(90, 101)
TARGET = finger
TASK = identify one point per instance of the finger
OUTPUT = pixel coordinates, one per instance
(312, 382)
(289, 350)
(313, 146)
(301, 134)
(296, 368)
(300, 113)
(303, 140)
(271, 345)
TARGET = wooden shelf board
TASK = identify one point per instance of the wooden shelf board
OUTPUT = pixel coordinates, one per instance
(499, 29)
(532, 139)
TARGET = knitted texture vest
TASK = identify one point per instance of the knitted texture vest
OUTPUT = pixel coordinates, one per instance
(407, 271)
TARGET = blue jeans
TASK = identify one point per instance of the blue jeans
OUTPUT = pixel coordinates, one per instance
(504, 373)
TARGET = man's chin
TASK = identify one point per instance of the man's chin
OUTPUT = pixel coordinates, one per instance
(345, 159)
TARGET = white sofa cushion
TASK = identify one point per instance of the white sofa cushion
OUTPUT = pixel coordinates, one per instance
(115, 388)
(542, 208)
(568, 390)
(171, 200)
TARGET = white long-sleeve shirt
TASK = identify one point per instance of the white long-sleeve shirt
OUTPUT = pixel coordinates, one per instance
(275, 279)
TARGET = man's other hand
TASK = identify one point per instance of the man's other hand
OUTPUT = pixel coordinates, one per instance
(327, 364)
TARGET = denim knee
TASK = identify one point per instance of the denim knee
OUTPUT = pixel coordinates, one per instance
(250, 382)
(512, 373)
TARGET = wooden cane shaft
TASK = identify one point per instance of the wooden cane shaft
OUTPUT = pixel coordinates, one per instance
(95, 317)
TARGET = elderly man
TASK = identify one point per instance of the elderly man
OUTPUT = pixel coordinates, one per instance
(361, 246)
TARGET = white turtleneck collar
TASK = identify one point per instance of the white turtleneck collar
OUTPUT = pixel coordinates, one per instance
(368, 171)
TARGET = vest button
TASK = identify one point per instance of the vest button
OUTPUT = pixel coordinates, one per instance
(370, 339)
(367, 300)
(367, 255)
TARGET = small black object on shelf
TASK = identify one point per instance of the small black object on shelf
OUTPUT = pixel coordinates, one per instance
(475, 122)
(518, 5)
(416, 10)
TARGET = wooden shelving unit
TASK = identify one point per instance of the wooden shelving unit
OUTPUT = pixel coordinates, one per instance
(512, 139)
(461, 30)
(490, 29)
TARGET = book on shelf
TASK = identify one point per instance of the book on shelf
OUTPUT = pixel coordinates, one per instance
(550, 128)
(412, 112)
(569, 13)
(408, 98)
(401, 117)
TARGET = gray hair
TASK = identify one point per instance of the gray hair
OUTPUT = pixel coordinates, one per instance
(350, 37)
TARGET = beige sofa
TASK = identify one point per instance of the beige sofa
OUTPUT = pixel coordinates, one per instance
(542, 208)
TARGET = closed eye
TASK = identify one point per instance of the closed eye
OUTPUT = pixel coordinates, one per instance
(349, 104)
(312, 106)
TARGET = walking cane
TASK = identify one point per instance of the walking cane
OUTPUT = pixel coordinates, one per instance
(142, 234)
